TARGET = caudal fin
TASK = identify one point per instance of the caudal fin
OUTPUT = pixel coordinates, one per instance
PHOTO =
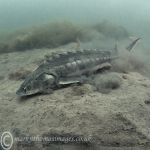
(133, 44)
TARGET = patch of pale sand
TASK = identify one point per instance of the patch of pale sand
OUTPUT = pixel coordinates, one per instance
(90, 113)
(118, 118)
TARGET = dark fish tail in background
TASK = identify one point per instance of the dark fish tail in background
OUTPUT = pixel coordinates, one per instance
(133, 44)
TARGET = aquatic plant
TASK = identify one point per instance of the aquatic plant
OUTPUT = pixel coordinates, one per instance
(46, 36)
(56, 34)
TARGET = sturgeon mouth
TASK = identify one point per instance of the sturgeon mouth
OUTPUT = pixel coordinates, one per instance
(23, 94)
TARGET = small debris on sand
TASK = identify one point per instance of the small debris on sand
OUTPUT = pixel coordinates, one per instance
(19, 74)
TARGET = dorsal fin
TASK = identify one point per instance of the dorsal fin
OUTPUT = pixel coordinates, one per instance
(78, 43)
(116, 47)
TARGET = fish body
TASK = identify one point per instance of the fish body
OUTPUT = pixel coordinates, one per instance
(67, 68)
(64, 69)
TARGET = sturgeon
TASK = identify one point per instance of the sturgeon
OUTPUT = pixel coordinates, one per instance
(66, 68)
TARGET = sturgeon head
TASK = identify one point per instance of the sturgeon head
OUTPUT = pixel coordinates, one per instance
(36, 84)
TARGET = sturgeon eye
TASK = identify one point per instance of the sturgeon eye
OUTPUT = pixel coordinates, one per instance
(25, 90)
(28, 88)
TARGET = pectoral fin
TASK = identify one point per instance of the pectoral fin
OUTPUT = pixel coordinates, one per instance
(72, 80)
(103, 66)
(100, 68)
(68, 82)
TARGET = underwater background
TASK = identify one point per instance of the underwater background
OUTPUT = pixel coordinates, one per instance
(131, 14)
(112, 109)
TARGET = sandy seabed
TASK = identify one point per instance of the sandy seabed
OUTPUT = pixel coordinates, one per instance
(119, 120)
